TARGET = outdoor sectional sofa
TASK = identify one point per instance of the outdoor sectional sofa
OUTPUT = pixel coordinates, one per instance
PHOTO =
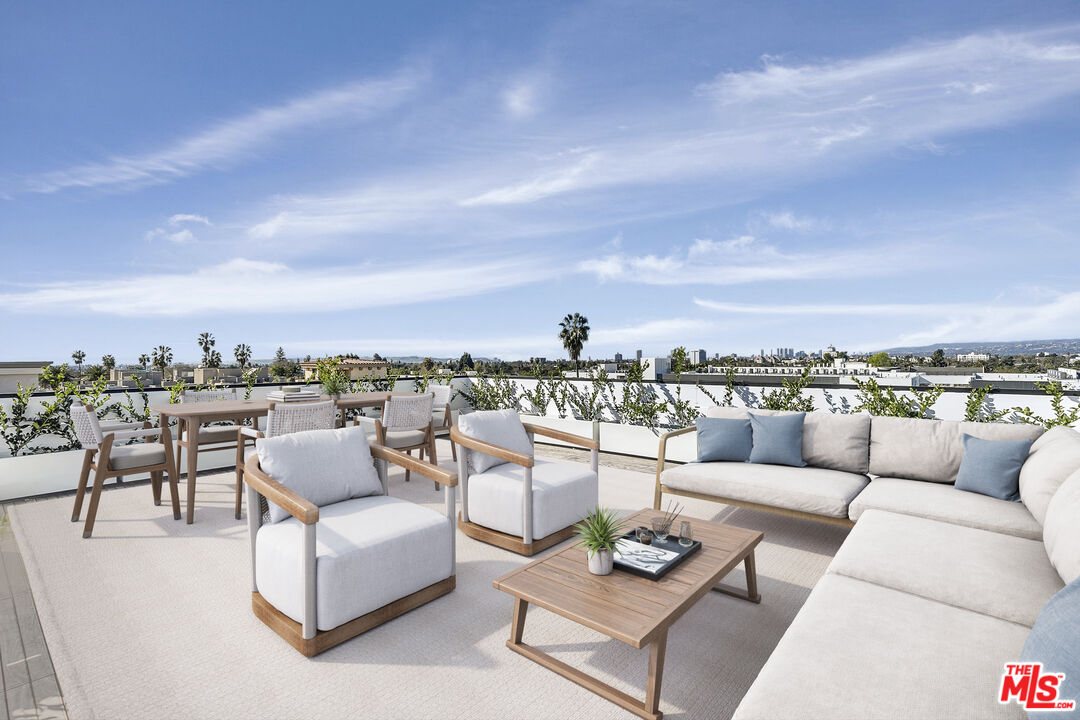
(933, 591)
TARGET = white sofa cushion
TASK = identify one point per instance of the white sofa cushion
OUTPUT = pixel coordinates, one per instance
(1052, 435)
(322, 466)
(859, 650)
(938, 501)
(807, 489)
(369, 552)
(1046, 469)
(1061, 530)
(1005, 576)
(563, 493)
(830, 440)
(931, 450)
(497, 427)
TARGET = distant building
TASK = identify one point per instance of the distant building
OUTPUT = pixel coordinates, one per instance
(538, 360)
(697, 357)
(972, 357)
(657, 367)
(13, 374)
(637, 354)
(125, 377)
(356, 368)
(618, 357)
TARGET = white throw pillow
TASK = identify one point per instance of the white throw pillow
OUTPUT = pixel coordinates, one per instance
(1061, 532)
(321, 466)
(498, 427)
(1045, 470)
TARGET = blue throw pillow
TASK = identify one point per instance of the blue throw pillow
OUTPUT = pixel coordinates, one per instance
(1053, 642)
(723, 439)
(777, 439)
(992, 467)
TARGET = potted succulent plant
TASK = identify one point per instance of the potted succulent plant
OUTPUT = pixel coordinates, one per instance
(598, 532)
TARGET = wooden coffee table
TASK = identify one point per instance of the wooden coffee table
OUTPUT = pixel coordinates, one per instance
(625, 607)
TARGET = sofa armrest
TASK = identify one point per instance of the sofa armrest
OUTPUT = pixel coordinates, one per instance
(661, 458)
(300, 508)
(579, 440)
(432, 472)
(488, 449)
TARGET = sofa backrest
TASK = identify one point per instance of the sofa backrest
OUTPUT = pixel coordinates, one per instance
(830, 440)
(1048, 464)
(931, 450)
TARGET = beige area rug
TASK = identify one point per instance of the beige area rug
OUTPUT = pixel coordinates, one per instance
(152, 619)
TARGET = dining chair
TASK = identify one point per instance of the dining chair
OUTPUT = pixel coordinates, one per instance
(281, 419)
(406, 424)
(218, 436)
(107, 459)
(441, 414)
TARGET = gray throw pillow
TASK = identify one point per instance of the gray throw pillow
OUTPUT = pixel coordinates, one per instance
(777, 439)
(992, 467)
(1052, 642)
(321, 466)
(723, 439)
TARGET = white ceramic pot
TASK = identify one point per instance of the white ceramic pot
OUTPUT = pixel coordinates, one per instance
(601, 562)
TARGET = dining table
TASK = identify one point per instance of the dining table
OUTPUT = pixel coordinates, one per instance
(194, 414)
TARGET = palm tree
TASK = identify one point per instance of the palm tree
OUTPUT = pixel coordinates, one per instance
(212, 359)
(78, 356)
(144, 360)
(574, 335)
(108, 362)
(162, 358)
(242, 353)
(206, 342)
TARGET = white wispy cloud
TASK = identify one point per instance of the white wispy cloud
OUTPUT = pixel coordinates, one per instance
(181, 218)
(178, 237)
(229, 140)
(251, 286)
(787, 220)
(740, 260)
(786, 120)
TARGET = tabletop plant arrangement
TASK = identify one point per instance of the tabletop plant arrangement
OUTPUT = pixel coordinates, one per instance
(598, 532)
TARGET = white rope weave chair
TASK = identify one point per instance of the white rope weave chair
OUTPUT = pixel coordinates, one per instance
(106, 459)
(211, 437)
(440, 413)
(406, 424)
(281, 419)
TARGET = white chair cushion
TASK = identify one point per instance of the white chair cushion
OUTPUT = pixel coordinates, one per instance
(1061, 531)
(137, 455)
(563, 493)
(497, 427)
(857, 650)
(1046, 469)
(405, 438)
(938, 501)
(1005, 576)
(322, 466)
(806, 489)
(369, 552)
(217, 433)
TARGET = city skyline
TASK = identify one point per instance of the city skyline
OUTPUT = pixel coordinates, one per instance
(416, 180)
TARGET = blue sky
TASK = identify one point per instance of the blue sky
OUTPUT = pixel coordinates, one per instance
(412, 178)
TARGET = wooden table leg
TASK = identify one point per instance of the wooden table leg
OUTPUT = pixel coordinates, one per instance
(193, 423)
(174, 491)
(517, 628)
(170, 456)
(657, 651)
(751, 592)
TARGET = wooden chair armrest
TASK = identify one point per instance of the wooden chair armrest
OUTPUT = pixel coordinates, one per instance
(579, 440)
(253, 433)
(300, 508)
(661, 455)
(488, 449)
(680, 431)
(432, 472)
(132, 434)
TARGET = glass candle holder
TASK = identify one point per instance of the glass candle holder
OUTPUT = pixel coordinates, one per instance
(644, 536)
(660, 529)
(686, 534)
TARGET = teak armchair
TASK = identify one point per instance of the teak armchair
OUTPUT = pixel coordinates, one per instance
(107, 459)
(549, 498)
(441, 415)
(406, 424)
(291, 555)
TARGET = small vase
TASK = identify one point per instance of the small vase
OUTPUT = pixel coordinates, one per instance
(601, 562)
